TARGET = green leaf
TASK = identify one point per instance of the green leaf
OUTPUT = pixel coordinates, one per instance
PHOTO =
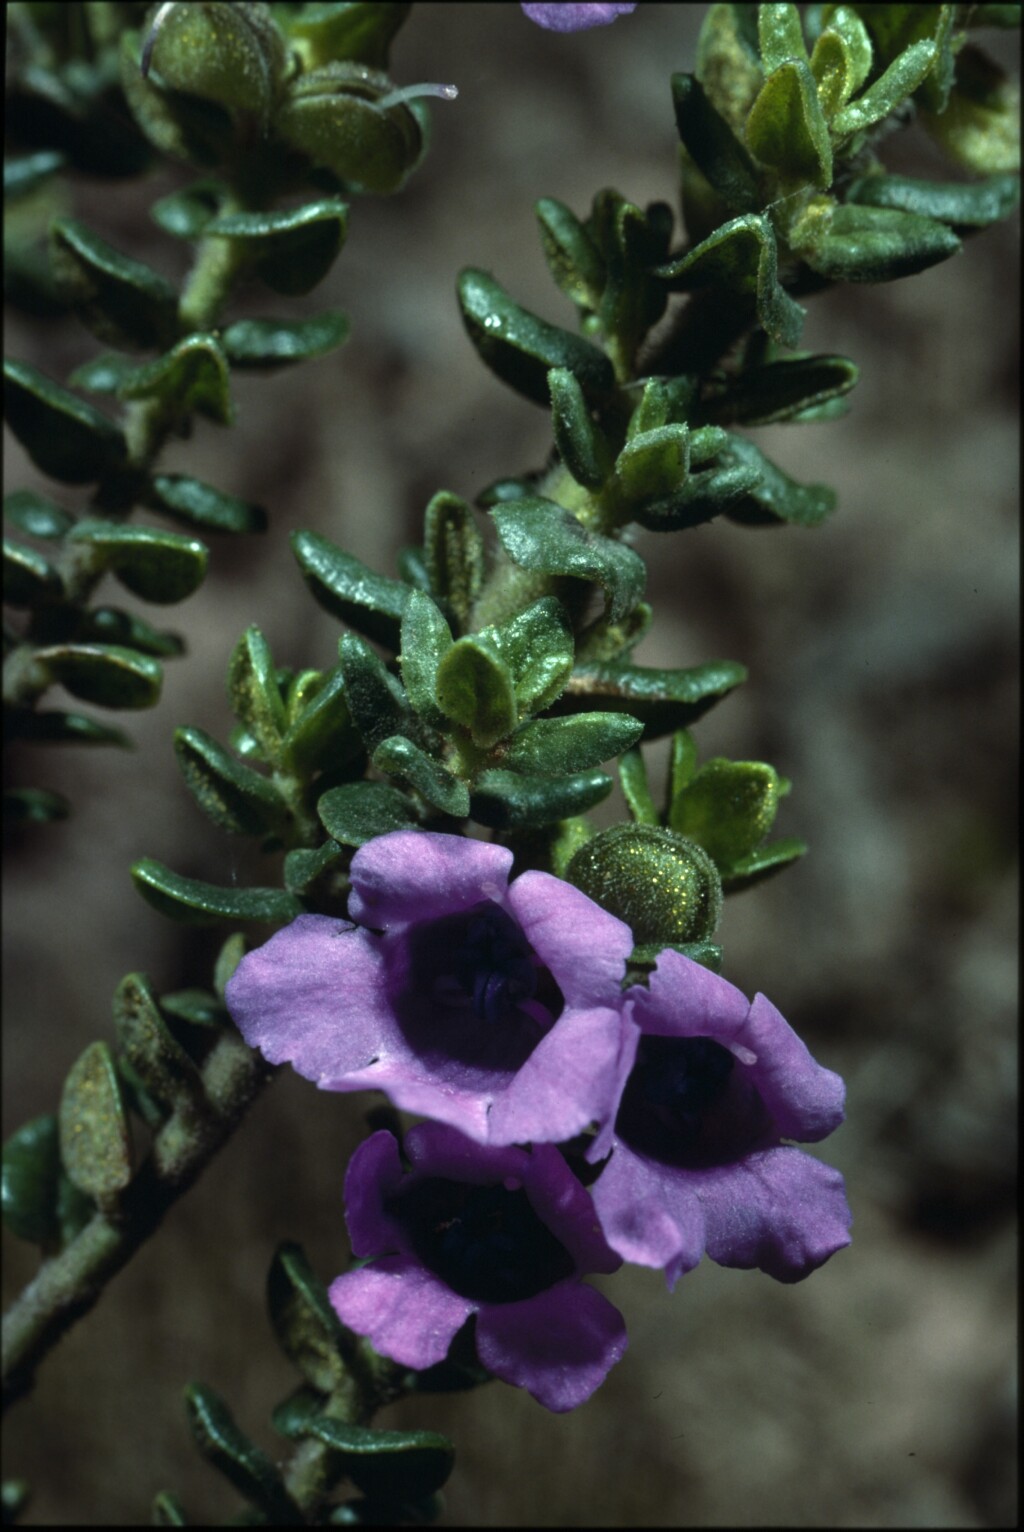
(713, 147)
(304, 868)
(632, 243)
(307, 1328)
(104, 374)
(167, 1511)
(964, 204)
(271, 343)
(231, 1452)
(29, 578)
(350, 590)
(786, 128)
(375, 698)
(34, 805)
(111, 625)
(980, 126)
(290, 251)
(662, 699)
(760, 396)
(198, 1007)
(31, 1166)
(254, 694)
(322, 735)
(537, 647)
(200, 505)
(580, 442)
(841, 60)
(361, 33)
(551, 746)
(159, 566)
(400, 757)
(741, 257)
(762, 864)
(899, 81)
(357, 812)
(192, 376)
(228, 959)
(538, 534)
(874, 244)
(426, 639)
(702, 497)
(605, 640)
(123, 302)
(653, 463)
(520, 348)
(780, 35)
(29, 171)
(474, 688)
(44, 728)
(636, 788)
(510, 800)
(185, 214)
(237, 798)
(232, 56)
(95, 1136)
(775, 496)
(63, 436)
(389, 1466)
(453, 553)
(35, 514)
(573, 258)
(665, 888)
(332, 115)
(178, 125)
(188, 899)
(104, 673)
(158, 1059)
(728, 807)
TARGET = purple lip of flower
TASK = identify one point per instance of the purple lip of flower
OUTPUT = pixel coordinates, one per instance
(709, 1086)
(493, 1006)
(502, 1234)
(569, 17)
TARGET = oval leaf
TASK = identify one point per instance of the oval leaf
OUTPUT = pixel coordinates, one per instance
(198, 903)
(63, 436)
(359, 811)
(105, 673)
(159, 566)
(270, 343)
(95, 1137)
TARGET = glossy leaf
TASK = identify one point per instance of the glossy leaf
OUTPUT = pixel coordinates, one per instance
(192, 376)
(185, 214)
(95, 1136)
(290, 251)
(198, 903)
(474, 688)
(200, 505)
(713, 147)
(122, 301)
(35, 514)
(27, 172)
(31, 1165)
(357, 812)
(741, 256)
(159, 566)
(775, 496)
(104, 374)
(537, 647)
(198, 1007)
(875, 244)
(538, 534)
(349, 590)
(271, 343)
(112, 625)
(231, 1452)
(520, 348)
(34, 805)
(390, 1466)
(662, 699)
(580, 443)
(158, 1059)
(29, 578)
(426, 639)
(332, 115)
(375, 698)
(66, 438)
(573, 259)
(47, 727)
(786, 128)
(453, 553)
(399, 756)
(307, 1328)
(553, 746)
(702, 497)
(777, 391)
(104, 673)
(510, 800)
(237, 798)
(964, 204)
(254, 694)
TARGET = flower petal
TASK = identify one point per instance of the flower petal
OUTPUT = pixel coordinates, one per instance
(572, 17)
(559, 1345)
(415, 875)
(406, 1312)
(779, 1209)
(437, 1150)
(649, 1213)
(566, 1207)
(683, 998)
(567, 1082)
(805, 1099)
(374, 1173)
(584, 947)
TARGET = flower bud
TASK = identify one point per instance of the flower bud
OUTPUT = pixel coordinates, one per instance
(335, 116)
(233, 55)
(665, 887)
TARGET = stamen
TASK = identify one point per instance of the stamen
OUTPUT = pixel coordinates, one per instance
(414, 92)
(151, 36)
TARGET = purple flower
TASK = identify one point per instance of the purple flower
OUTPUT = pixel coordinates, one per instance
(491, 1006)
(575, 18)
(504, 1234)
(710, 1086)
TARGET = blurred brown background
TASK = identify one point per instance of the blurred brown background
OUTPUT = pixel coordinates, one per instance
(882, 654)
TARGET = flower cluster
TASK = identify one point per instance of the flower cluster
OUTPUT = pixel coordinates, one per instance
(498, 1010)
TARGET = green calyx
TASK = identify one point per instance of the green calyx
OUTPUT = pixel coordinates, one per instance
(664, 886)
